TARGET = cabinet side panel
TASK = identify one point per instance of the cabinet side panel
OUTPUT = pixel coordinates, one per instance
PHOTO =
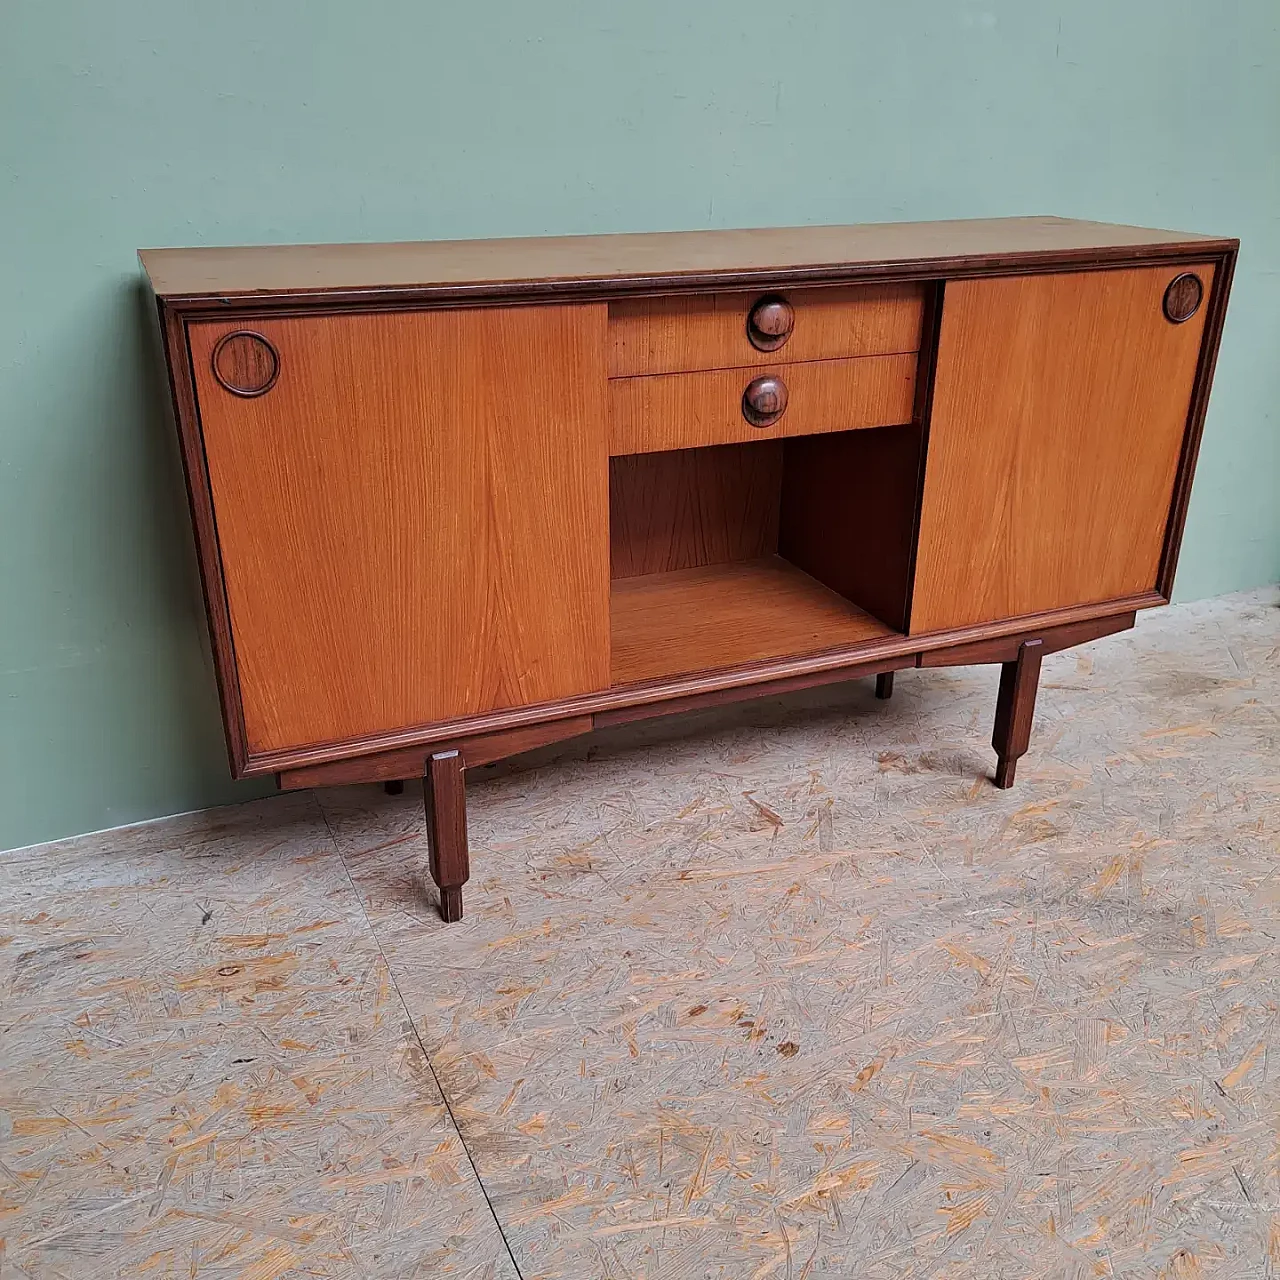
(413, 519)
(1059, 409)
(848, 510)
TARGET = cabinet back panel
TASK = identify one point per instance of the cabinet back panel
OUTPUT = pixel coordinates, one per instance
(1059, 409)
(693, 506)
(412, 519)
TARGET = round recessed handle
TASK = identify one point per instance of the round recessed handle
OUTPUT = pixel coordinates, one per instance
(245, 363)
(764, 401)
(770, 323)
(1183, 297)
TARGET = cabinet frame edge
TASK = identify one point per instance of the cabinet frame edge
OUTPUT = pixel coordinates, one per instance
(195, 470)
(1224, 264)
(210, 304)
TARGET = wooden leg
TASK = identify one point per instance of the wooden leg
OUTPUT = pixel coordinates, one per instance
(393, 788)
(1015, 708)
(445, 796)
(884, 685)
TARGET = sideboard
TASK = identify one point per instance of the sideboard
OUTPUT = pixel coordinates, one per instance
(455, 500)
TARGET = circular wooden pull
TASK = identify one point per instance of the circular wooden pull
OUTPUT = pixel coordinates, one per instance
(764, 401)
(245, 363)
(1183, 297)
(770, 323)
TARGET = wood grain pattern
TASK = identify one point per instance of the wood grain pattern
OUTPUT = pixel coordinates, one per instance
(408, 533)
(686, 410)
(688, 507)
(456, 269)
(693, 684)
(1183, 297)
(848, 513)
(1215, 318)
(1005, 648)
(389, 766)
(726, 615)
(768, 689)
(770, 322)
(444, 796)
(200, 501)
(710, 330)
(245, 363)
(1016, 709)
(1060, 404)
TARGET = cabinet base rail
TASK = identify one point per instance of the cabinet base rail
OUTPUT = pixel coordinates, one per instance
(443, 767)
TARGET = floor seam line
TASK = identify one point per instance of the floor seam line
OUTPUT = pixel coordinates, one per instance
(413, 1027)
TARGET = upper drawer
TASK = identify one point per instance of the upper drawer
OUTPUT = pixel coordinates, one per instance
(734, 330)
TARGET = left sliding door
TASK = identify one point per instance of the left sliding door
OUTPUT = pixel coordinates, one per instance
(411, 511)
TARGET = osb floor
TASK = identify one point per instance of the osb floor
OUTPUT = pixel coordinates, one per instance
(795, 994)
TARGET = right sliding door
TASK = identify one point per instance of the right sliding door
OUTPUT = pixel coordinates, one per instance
(1059, 409)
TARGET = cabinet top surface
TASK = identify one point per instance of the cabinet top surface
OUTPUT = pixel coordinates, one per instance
(653, 259)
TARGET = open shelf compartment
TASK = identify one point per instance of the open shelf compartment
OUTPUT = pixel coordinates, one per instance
(732, 555)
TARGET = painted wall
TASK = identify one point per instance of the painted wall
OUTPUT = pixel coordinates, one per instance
(163, 122)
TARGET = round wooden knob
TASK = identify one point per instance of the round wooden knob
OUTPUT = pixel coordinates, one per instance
(764, 401)
(1183, 297)
(770, 323)
(245, 363)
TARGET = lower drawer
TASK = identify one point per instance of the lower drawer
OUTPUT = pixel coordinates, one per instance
(728, 406)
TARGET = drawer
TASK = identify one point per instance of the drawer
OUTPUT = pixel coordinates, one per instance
(731, 330)
(728, 406)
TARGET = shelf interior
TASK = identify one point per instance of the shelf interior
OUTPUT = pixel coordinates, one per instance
(726, 615)
(725, 555)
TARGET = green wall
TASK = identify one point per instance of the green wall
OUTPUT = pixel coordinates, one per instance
(172, 122)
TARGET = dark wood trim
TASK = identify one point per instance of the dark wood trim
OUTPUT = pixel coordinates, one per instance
(595, 288)
(1225, 266)
(926, 375)
(200, 498)
(1183, 297)
(489, 747)
(444, 797)
(370, 760)
(246, 393)
(884, 686)
(742, 693)
(1005, 648)
(392, 766)
(1016, 709)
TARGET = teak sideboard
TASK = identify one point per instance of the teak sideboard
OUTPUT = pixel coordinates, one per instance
(456, 500)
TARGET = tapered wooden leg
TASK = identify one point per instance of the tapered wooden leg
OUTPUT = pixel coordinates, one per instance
(445, 796)
(1015, 708)
(884, 685)
(393, 788)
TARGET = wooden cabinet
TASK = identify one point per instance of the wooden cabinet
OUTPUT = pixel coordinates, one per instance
(1060, 404)
(453, 501)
